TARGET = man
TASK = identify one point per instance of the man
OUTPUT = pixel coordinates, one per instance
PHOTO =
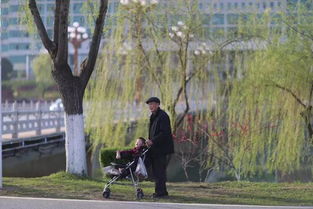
(161, 142)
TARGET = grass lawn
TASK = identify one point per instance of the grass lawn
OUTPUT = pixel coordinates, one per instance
(62, 185)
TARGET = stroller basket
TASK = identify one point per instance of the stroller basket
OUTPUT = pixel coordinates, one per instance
(134, 176)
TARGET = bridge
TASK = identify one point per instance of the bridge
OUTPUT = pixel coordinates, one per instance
(21, 120)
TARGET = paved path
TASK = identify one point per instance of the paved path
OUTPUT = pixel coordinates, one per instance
(28, 134)
(43, 203)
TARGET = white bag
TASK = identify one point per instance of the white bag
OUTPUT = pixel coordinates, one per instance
(110, 170)
(141, 170)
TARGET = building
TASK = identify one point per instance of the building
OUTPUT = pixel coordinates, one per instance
(20, 47)
(220, 16)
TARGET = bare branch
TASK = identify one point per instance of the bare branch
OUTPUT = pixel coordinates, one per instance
(56, 23)
(311, 94)
(180, 90)
(62, 52)
(184, 85)
(49, 45)
(302, 33)
(140, 46)
(292, 94)
(153, 29)
(88, 68)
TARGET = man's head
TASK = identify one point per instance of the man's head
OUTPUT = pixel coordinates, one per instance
(153, 103)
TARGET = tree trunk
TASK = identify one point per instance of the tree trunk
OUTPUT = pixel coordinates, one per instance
(72, 97)
(307, 116)
(75, 145)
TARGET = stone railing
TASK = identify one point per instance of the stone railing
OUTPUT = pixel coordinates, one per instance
(24, 117)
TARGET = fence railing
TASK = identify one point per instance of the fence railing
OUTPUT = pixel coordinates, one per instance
(23, 117)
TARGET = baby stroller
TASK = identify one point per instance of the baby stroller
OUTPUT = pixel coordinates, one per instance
(128, 170)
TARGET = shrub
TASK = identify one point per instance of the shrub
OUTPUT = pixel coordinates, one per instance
(107, 156)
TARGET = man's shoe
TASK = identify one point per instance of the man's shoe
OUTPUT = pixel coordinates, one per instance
(162, 195)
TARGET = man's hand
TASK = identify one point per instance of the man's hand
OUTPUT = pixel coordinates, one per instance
(149, 142)
(118, 154)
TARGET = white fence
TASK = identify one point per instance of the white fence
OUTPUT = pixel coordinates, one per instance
(23, 117)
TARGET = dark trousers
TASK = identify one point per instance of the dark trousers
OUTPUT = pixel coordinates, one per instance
(158, 164)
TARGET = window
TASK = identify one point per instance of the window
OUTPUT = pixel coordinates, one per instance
(41, 8)
(19, 46)
(79, 19)
(206, 19)
(243, 5)
(272, 5)
(264, 5)
(77, 8)
(5, 48)
(13, 21)
(50, 21)
(221, 5)
(15, 33)
(14, 8)
(111, 8)
(279, 4)
(4, 11)
(200, 6)
(232, 19)
(50, 7)
(4, 36)
(50, 33)
(5, 22)
(235, 5)
(116, 6)
(218, 19)
(228, 5)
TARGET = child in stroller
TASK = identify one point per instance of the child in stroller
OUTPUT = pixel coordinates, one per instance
(136, 166)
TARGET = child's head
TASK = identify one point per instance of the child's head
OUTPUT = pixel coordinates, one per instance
(140, 142)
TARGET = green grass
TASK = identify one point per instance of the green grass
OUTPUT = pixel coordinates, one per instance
(62, 185)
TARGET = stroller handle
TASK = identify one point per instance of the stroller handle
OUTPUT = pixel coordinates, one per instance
(146, 150)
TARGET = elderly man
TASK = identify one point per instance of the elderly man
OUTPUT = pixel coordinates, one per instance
(161, 142)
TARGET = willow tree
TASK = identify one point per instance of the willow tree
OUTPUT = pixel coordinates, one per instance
(71, 87)
(42, 66)
(273, 102)
(154, 50)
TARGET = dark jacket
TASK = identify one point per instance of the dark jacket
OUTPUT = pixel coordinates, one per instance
(160, 133)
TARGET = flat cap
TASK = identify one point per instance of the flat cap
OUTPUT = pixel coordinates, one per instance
(153, 99)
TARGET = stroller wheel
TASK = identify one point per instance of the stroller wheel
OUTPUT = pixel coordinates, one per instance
(106, 193)
(139, 194)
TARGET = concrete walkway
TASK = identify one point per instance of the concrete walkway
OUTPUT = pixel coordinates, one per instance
(44, 203)
(28, 134)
